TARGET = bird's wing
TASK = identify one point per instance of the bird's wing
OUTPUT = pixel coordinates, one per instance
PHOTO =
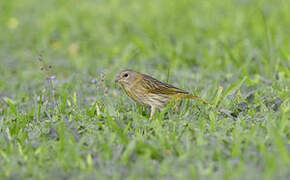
(158, 87)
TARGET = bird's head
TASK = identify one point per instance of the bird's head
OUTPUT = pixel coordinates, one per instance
(126, 77)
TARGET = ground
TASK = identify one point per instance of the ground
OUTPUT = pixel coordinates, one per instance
(63, 117)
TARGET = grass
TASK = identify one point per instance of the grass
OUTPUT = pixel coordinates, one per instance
(63, 117)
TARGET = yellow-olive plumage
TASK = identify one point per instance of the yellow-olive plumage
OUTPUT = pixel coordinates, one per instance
(148, 91)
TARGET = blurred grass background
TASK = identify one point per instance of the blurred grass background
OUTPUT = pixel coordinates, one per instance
(195, 45)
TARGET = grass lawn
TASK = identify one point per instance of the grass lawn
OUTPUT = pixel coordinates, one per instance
(63, 117)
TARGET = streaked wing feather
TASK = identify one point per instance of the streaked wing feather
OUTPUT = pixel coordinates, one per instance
(158, 87)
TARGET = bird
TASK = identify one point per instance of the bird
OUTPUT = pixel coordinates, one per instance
(151, 92)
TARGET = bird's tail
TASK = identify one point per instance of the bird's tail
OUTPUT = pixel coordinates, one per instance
(197, 99)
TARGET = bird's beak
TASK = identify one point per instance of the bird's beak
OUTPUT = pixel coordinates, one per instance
(117, 79)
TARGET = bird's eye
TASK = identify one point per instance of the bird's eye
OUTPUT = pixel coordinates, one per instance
(126, 75)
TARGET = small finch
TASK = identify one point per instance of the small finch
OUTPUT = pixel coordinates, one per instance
(148, 91)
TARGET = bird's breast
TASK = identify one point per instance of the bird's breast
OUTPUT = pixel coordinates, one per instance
(138, 94)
